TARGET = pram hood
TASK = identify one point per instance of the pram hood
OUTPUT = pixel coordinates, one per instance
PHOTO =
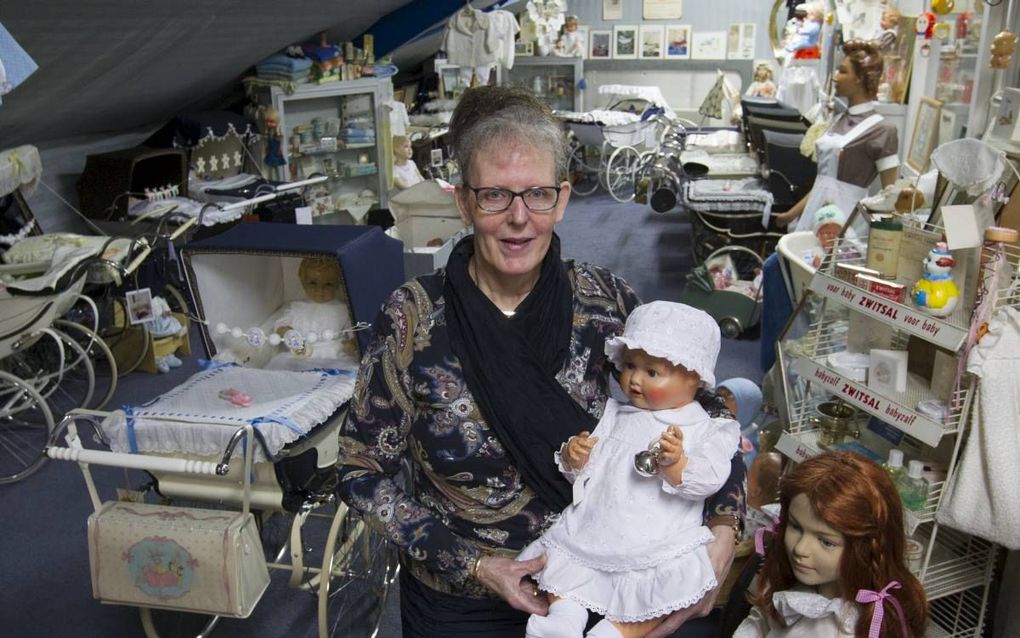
(244, 274)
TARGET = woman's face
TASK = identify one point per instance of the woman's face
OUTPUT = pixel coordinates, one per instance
(813, 547)
(511, 243)
(846, 80)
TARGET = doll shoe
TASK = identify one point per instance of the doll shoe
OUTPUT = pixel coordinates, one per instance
(173, 360)
(162, 366)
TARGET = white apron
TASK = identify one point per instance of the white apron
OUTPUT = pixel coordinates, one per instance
(827, 188)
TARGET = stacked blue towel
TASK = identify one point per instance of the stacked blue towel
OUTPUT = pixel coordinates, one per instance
(283, 67)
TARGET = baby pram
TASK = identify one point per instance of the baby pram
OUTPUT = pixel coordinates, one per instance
(196, 440)
(728, 287)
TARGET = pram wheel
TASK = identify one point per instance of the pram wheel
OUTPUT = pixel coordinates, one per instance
(104, 364)
(620, 173)
(362, 567)
(730, 327)
(25, 425)
(583, 170)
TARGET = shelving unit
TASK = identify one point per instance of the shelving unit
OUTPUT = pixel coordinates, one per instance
(957, 568)
(340, 130)
(553, 79)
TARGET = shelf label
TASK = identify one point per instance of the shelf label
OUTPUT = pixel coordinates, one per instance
(793, 448)
(925, 430)
(897, 315)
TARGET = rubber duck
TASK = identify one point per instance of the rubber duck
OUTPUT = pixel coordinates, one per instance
(936, 292)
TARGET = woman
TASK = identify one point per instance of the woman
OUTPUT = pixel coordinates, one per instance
(858, 147)
(477, 373)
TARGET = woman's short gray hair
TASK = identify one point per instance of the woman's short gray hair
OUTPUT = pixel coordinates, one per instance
(488, 115)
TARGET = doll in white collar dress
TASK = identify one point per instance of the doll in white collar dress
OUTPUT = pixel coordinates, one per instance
(834, 566)
(632, 546)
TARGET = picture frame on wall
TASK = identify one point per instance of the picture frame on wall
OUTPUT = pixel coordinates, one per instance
(925, 134)
(651, 41)
(708, 45)
(662, 9)
(612, 9)
(740, 45)
(677, 42)
(600, 44)
(625, 42)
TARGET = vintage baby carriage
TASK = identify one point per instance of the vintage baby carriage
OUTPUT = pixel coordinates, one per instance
(728, 287)
(196, 439)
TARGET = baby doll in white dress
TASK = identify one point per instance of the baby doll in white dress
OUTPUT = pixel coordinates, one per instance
(632, 547)
(320, 314)
(405, 171)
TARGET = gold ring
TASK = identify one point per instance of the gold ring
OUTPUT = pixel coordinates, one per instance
(535, 593)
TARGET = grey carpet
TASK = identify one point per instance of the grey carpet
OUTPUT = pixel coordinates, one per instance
(44, 558)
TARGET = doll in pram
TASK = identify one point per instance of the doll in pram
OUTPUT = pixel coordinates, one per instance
(728, 287)
(196, 439)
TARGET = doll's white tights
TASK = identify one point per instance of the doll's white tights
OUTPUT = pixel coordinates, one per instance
(567, 619)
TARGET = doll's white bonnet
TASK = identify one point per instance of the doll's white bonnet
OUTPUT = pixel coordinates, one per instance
(683, 335)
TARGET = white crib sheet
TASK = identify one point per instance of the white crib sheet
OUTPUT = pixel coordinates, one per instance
(192, 419)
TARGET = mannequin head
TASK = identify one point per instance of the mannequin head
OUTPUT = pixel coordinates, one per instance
(860, 72)
(401, 148)
(320, 278)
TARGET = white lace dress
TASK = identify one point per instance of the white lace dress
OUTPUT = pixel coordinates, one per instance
(804, 614)
(629, 547)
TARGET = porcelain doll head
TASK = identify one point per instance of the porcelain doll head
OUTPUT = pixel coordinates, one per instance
(890, 17)
(666, 353)
(841, 531)
(570, 24)
(271, 120)
(829, 221)
(320, 278)
(763, 72)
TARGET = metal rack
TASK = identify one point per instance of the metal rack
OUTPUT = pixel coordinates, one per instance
(957, 568)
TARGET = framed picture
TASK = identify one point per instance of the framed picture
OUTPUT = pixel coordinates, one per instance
(678, 41)
(436, 157)
(708, 45)
(625, 42)
(600, 44)
(524, 48)
(612, 9)
(139, 306)
(897, 62)
(740, 44)
(652, 43)
(662, 9)
(926, 131)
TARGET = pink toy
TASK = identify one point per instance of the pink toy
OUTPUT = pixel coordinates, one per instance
(235, 396)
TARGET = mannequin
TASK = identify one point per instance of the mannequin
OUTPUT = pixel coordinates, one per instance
(858, 147)
(405, 171)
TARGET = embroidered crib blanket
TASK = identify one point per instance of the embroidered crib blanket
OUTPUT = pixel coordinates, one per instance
(194, 419)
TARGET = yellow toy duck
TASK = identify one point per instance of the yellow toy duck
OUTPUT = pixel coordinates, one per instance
(936, 292)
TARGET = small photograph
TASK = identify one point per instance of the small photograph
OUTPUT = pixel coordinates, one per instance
(524, 48)
(436, 157)
(652, 41)
(139, 306)
(678, 37)
(601, 41)
(625, 43)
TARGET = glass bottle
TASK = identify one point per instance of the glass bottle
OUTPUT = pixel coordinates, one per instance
(913, 487)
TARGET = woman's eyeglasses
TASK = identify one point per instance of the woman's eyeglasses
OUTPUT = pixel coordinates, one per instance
(539, 199)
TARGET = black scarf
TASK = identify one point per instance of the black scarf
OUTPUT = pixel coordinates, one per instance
(510, 365)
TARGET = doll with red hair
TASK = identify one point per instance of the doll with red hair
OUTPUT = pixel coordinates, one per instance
(835, 567)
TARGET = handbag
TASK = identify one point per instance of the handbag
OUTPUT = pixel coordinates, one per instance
(179, 558)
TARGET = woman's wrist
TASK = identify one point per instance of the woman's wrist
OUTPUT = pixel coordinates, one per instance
(726, 521)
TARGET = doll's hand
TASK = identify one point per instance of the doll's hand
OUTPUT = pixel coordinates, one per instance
(672, 458)
(578, 450)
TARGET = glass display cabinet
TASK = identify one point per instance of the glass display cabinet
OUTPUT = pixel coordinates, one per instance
(339, 130)
(552, 79)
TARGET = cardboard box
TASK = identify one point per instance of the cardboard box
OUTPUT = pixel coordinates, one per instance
(428, 222)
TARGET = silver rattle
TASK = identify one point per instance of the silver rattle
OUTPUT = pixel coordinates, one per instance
(646, 462)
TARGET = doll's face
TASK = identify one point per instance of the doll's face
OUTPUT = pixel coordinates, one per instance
(402, 150)
(813, 547)
(320, 281)
(827, 234)
(728, 398)
(570, 26)
(762, 74)
(653, 383)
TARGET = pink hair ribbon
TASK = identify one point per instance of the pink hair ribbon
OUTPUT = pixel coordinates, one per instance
(759, 536)
(867, 596)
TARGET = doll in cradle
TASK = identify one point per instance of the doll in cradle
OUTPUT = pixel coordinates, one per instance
(936, 292)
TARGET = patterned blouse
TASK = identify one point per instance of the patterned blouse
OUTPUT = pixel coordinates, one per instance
(411, 403)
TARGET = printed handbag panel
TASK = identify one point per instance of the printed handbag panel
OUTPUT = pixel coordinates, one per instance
(183, 558)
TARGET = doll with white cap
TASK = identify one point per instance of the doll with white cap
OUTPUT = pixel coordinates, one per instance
(632, 545)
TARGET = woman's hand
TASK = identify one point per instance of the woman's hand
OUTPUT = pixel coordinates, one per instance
(509, 578)
(720, 552)
(578, 450)
(672, 458)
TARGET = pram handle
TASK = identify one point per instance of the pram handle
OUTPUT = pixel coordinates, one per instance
(134, 461)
